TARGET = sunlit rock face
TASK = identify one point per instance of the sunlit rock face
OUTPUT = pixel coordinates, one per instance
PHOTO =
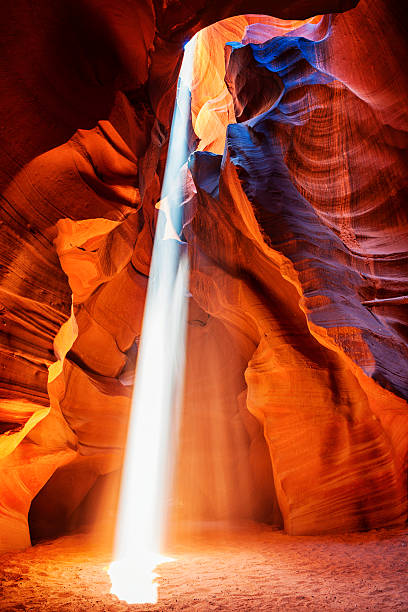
(295, 402)
(308, 249)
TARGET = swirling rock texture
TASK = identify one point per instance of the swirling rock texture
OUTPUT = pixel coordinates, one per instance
(296, 384)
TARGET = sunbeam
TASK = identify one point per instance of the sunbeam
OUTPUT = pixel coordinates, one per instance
(154, 419)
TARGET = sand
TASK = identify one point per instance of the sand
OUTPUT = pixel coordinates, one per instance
(249, 567)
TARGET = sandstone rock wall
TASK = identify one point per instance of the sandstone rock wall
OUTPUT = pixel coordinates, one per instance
(298, 238)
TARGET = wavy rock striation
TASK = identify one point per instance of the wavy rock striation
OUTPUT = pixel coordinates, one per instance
(299, 223)
(298, 235)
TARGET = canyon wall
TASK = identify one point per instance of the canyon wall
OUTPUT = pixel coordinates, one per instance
(295, 402)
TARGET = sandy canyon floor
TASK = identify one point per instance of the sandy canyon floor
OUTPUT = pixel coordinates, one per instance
(249, 567)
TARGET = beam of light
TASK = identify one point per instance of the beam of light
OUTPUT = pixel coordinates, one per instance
(159, 378)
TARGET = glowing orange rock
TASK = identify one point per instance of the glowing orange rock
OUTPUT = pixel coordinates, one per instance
(295, 262)
(298, 239)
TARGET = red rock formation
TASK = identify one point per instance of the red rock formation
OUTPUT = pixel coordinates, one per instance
(301, 222)
(311, 239)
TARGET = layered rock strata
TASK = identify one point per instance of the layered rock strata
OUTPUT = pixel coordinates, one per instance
(298, 238)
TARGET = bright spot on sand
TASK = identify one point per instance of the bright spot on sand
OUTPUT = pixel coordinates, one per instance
(153, 424)
(134, 580)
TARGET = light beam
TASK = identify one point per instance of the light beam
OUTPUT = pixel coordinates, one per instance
(158, 383)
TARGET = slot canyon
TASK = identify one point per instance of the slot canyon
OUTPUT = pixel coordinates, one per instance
(288, 487)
